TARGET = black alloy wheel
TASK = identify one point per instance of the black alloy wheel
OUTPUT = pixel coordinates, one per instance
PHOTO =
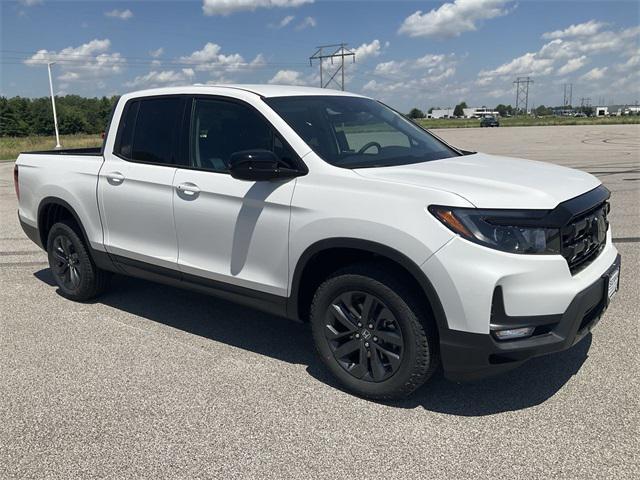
(66, 265)
(364, 336)
(373, 332)
(73, 269)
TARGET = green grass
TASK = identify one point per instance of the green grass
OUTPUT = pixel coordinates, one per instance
(525, 121)
(10, 147)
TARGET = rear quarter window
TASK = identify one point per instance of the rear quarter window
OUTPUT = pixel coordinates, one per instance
(149, 130)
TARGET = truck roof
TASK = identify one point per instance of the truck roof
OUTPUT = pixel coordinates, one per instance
(261, 90)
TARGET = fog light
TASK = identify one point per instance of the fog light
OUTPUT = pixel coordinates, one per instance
(513, 333)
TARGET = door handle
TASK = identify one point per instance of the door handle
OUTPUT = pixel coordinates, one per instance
(188, 190)
(115, 178)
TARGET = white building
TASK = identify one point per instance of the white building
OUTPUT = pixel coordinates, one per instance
(473, 112)
(479, 112)
(441, 113)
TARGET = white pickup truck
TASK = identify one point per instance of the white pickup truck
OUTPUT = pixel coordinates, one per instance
(402, 252)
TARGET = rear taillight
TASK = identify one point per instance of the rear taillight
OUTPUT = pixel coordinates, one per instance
(15, 181)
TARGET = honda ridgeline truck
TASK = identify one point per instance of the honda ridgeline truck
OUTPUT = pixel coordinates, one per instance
(403, 252)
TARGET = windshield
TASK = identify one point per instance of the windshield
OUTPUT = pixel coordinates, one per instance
(353, 132)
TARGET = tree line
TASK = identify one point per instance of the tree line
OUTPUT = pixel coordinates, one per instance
(21, 116)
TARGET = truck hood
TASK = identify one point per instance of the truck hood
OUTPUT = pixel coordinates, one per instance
(489, 181)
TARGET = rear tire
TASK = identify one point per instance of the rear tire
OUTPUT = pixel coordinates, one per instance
(373, 333)
(73, 269)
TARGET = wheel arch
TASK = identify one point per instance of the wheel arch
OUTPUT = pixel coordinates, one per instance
(53, 209)
(313, 266)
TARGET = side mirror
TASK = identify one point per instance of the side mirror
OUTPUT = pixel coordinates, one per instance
(259, 165)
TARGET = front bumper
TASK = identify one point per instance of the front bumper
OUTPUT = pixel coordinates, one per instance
(471, 356)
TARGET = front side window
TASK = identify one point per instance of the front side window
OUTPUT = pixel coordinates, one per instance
(149, 130)
(353, 132)
(221, 128)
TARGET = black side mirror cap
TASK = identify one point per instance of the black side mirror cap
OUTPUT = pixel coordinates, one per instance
(259, 165)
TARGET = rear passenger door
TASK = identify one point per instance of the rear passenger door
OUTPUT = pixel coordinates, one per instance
(229, 230)
(135, 185)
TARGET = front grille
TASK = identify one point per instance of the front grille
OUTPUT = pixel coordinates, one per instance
(584, 237)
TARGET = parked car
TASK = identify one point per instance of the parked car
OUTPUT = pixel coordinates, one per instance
(402, 251)
(489, 121)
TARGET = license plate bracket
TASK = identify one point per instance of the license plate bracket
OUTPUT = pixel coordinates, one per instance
(612, 281)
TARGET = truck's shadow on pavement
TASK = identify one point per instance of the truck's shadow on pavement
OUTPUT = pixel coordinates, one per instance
(241, 327)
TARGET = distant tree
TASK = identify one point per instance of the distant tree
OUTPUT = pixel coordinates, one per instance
(542, 111)
(23, 116)
(11, 123)
(459, 110)
(502, 110)
(430, 111)
(72, 121)
(416, 113)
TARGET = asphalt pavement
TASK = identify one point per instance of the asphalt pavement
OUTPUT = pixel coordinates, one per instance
(155, 382)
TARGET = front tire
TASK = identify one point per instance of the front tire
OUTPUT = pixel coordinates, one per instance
(73, 269)
(372, 332)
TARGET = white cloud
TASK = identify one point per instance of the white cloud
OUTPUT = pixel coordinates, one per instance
(87, 61)
(285, 21)
(30, 3)
(226, 7)
(308, 22)
(156, 53)
(573, 65)
(568, 54)
(120, 14)
(452, 19)
(287, 77)
(162, 78)
(68, 77)
(429, 64)
(210, 58)
(367, 50)
(631, 64)
(576, 30)
(412, 76)
(527, 64)
(594, 74)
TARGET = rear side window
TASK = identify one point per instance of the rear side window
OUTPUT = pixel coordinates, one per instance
(150, 130)
(127, 124)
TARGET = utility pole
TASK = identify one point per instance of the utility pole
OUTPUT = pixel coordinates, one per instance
(522, 93)
(53, 104)
(339, 51)
(568, 94)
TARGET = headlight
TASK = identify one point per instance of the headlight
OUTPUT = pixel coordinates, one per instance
(513, 231)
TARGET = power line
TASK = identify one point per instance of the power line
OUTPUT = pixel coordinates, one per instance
(340, 52)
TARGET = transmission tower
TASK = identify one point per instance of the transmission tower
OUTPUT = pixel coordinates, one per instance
(339, 52)
(585, 102)
(522, 93)
(568, 95)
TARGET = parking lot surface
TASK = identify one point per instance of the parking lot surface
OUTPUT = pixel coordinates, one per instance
(154, 382)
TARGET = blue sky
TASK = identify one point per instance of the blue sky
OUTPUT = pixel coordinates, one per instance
(408, 53)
